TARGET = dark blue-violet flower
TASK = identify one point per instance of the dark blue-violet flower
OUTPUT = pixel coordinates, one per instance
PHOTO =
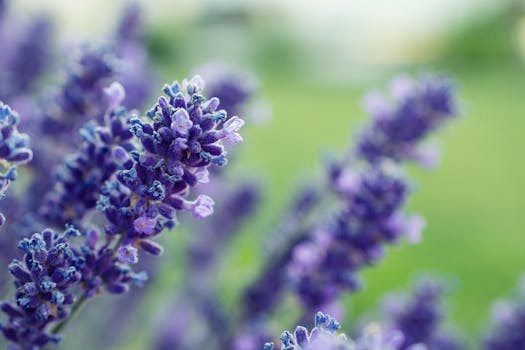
(507, 331)
(400, 121)
(179, 142)
(420, 318)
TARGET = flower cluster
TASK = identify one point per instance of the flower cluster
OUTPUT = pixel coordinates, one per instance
(508, 325)
(28, 59)
(419, 318)
(81, 97)
(177, 145)
(159, 161)
(401, 121)
(43, 281)
(326, 265)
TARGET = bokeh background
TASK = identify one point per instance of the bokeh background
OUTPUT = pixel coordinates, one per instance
(314, 61)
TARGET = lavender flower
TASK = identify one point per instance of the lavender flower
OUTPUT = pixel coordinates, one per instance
(326, 265)
(508, 324)
(79, 180)
(325, 336)
(323, 260)
(130, 26)
(43, 281)
(136, 74)
(156, 183)
(372, 198)
(400, 122)
(81, 97)
(28, 59)
(419, 318)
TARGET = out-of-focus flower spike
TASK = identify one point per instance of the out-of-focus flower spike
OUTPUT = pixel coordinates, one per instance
(130, 27)
(29, 59)
(508, 323)
(419, 317)
(236, 90)
(402, 120)
(81, 96)
(80, 178)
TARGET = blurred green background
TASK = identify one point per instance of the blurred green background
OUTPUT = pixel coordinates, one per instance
(314, 62)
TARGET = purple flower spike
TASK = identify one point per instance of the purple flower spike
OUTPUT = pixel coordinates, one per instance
(419, 318)
(145, 225)
(404, 119)
(128, 254)
(508, 322)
